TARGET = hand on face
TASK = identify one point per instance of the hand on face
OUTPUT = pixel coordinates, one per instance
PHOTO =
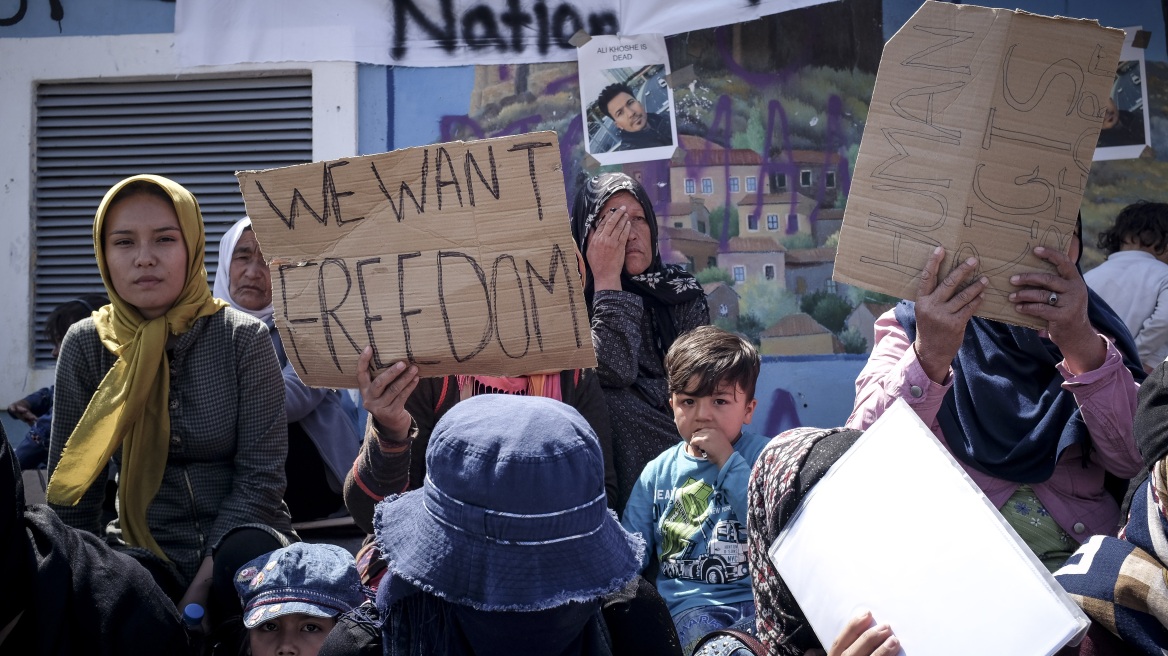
(943, 310)
(144, 253)
(250, 279)
(712, 424)
(620, 241)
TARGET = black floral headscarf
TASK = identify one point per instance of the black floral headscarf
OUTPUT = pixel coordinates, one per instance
(661, 285)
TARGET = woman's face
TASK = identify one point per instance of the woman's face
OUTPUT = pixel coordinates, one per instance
(250, 280)
(639, 247)
(145, 253)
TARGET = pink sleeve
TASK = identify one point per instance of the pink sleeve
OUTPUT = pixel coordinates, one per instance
(1107, 397)
(893, 372)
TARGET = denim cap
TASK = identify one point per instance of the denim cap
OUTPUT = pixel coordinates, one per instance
(314, 579)
(512, 515)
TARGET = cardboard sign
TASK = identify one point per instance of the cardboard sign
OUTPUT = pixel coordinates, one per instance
(980, 137)
(457, 257)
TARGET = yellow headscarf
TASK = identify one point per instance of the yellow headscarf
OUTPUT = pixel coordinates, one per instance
(129, 408)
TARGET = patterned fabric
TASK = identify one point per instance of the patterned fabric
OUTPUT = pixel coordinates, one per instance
(126, 413)
(377, 472)
(1122, 583)
(783, 475)
(227, 439)
(633, 378)
(695, 624)
(661, 287)
(1030, 519)
(1005, 366)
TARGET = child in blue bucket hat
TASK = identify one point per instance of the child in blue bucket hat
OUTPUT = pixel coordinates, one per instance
(509, 546)
(292, 596)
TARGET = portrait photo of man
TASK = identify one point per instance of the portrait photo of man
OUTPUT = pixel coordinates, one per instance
(636, 126)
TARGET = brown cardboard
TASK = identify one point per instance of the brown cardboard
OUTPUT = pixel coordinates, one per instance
(979, 138)
(457, 257)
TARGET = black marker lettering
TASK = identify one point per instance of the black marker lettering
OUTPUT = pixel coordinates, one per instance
(439, 183)
(565, 23)
(493, 187)
(530, 148)
(541, 15)
(518, 20)
(405, 314)
(495, 302)
(404, 190)
(488, 330)
(284, 296)
(605, 22)
(481, 16)
(293, 211)
(326, 311)
(370, 319)
(333, 197)
(443, 36)
(558, 261)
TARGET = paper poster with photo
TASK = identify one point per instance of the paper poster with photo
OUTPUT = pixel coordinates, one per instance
(626, 99)
(1126, 129)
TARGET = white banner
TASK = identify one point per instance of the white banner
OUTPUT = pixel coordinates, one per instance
(433, 32)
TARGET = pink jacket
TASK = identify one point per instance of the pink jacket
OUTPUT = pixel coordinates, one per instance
(1074, 495)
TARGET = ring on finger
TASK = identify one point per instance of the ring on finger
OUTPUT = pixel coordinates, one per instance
(1053, 300)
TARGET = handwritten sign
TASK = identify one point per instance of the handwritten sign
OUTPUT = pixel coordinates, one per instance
(433, 32)
(457, 257)
(980, 137)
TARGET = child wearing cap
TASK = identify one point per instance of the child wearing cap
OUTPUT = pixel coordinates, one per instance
(690, 502)
(292, 596)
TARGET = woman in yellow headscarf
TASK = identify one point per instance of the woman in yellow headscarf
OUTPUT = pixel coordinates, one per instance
(183, 393)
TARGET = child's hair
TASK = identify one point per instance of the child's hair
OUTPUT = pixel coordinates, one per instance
(715, 357)
(69, 313)
(1142, 223)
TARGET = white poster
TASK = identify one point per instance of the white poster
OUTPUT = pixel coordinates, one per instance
(626, 100)
(433, 32)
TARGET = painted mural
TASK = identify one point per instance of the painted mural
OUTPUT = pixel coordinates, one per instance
(769, 121)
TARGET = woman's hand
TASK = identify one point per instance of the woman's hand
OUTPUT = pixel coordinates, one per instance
(863, 637)
(1060, 299)
(606, 249)
(385, 396)
(943, 310)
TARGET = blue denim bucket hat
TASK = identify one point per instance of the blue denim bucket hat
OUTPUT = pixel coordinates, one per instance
(315, 579)
(512, 515)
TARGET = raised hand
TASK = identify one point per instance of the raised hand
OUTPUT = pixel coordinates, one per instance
(385, 396)
(943, 309)
(1060, 299)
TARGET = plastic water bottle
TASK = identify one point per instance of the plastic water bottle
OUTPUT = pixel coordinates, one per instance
(193, 617)
(193, 621)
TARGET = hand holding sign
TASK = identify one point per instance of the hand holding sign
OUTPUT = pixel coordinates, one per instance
(1060, 299)
(943, 310)
(385, 396)
(455, 258)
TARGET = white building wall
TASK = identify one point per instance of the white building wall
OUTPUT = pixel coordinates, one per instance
(24, 62)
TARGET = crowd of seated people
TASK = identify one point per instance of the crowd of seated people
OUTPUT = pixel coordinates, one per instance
(561, 512)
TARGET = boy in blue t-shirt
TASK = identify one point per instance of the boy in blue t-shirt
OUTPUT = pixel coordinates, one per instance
(690, 502)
